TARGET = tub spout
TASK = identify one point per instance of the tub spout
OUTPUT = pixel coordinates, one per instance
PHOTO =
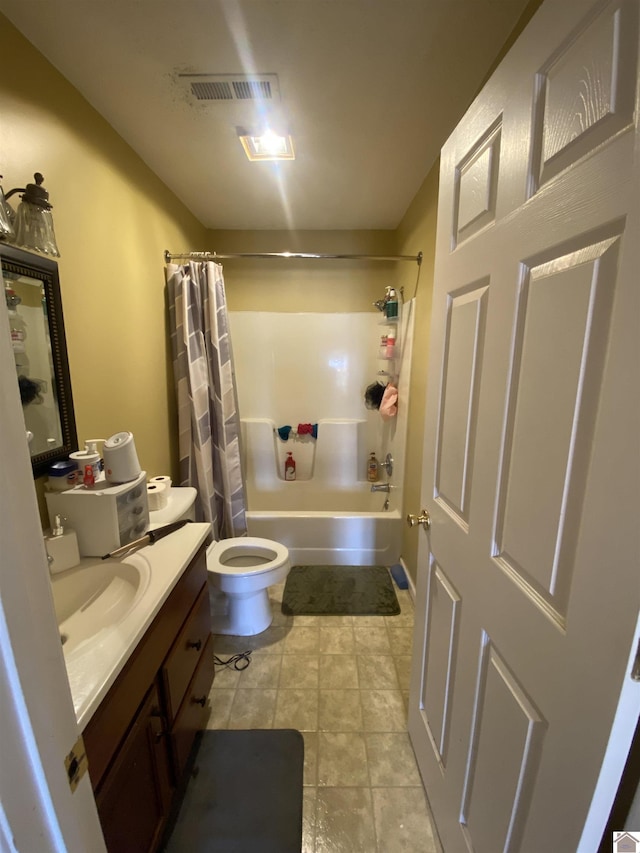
(381, 487)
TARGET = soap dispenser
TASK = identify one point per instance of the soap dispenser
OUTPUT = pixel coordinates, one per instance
(62, 547)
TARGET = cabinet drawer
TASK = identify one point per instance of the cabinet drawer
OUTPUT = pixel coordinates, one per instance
(185, 654)
(193, 712)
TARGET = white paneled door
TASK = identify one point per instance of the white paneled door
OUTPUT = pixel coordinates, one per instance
(529, 578)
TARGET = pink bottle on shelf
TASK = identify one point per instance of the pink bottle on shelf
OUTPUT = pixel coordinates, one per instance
(391, 345)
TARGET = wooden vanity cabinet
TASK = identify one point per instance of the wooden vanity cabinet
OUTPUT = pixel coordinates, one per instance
(136, 792)
(139, 739)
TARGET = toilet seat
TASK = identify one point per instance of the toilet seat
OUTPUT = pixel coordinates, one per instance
(235, 557)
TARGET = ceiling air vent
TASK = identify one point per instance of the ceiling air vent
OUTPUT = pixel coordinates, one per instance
(252, 89)
(212, 91)
(232, 87)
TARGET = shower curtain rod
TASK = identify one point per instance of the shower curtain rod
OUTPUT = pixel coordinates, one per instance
(214, 256)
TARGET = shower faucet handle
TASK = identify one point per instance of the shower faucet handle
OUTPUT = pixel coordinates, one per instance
(388, 464)
(381, 487)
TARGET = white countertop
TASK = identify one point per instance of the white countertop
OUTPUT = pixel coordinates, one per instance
(93, 666)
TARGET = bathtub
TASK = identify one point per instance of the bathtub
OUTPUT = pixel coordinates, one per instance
(360, 533)
(328, 515)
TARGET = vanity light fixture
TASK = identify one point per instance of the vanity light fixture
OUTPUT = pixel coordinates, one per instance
(32, 223)
(266, 146)
(7, 217)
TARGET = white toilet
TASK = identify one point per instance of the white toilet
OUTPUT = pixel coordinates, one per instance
(241, 570)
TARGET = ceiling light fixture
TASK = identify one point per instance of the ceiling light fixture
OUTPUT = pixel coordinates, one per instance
(266, 146)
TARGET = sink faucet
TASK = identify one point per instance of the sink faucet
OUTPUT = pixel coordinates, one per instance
(381, 487)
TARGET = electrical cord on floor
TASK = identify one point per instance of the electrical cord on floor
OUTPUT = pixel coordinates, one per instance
(240, 661)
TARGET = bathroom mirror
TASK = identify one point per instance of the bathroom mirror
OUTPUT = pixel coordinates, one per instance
(32, 293)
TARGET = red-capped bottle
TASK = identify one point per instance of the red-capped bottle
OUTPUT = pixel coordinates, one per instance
(89, 478)
(290, 467)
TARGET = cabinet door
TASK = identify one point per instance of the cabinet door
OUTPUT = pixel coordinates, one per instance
(134, 798)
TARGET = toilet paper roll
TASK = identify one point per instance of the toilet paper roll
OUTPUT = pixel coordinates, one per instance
(120, 458)
(161, 479)
(157, 496)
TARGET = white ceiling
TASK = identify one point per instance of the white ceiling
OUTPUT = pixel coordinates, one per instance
(370, 90)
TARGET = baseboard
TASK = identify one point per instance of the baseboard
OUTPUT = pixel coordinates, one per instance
(412, 588)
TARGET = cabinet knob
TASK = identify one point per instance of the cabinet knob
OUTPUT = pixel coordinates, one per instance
(194, 644)
(158, 725)
(199, 701)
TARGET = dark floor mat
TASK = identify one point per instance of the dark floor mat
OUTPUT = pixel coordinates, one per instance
(340, 591)
(246, 795)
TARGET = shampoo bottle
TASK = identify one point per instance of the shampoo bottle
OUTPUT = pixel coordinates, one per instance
(391, 304)
(372, 468)
(290, 467)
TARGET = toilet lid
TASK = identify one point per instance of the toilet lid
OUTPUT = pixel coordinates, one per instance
(246, 555)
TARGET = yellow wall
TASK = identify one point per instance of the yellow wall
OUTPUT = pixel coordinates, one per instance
(417, 233)
(113, 220)
(300, 285)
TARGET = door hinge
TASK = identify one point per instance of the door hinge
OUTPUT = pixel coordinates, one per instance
(76, 764)
(635, 669)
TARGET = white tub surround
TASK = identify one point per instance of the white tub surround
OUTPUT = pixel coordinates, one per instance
(314, 368)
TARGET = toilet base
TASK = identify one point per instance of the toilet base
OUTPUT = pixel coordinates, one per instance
(240, 615)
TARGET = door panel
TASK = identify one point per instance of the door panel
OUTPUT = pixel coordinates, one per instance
(527, 593)
(456, 434)
(586, 90)
(505, 746)
(476, 185)
(441, 646)
(561, 332)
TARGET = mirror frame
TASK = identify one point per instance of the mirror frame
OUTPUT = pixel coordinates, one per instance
(45, 270)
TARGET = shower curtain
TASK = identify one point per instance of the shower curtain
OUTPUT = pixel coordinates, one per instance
(208, 420)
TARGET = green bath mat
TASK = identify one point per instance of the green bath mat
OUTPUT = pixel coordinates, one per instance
(245, 797)
(339, 591)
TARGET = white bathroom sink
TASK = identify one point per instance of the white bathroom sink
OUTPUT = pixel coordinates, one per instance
(104, 607)
(95, 597)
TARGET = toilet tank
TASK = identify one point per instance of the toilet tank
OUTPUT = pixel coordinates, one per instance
(181, 504)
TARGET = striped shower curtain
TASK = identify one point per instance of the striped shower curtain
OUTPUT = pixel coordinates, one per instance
(208, 419)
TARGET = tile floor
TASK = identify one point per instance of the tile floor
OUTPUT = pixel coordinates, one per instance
(343, 681)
